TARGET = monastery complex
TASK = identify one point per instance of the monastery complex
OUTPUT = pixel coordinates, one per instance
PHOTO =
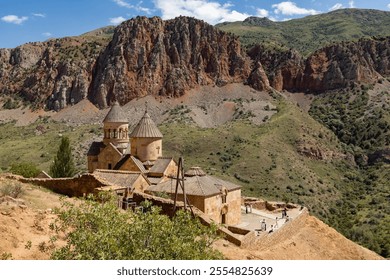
(134, 161)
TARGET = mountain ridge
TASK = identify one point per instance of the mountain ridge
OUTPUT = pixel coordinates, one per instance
(312, 32)
(171, 57)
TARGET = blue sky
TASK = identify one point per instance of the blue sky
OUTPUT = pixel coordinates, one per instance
(23, 21)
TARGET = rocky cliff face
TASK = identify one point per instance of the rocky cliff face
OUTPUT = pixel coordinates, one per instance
(166, 58)
(332, 67)
(152, 56)
(53, 74)
(340, 65)
(284, 68)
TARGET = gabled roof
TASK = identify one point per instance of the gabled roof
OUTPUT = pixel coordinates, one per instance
(112, 146)
(117, 177)
(43, 174)
(204, 186)
(155, 180)
(136, 161)
(94, 150)
(160, 165)
(115, 114)
(146, 128)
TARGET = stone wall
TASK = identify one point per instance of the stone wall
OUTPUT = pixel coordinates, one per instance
(76, 186)
(233, 199)
(288, 229)
(239, 237)
(87, 183)
(108, 157)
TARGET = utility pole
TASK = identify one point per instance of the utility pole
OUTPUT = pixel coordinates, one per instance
(180, 182)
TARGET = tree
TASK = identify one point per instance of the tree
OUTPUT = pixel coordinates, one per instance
(101, 231)
(63, 165)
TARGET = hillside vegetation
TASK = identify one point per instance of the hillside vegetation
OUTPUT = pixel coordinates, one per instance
(290, 157)
(27, 234)
(293, 158)
(312, 32)
(37, 143)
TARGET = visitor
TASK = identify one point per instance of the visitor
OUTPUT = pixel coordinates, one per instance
(263, 225)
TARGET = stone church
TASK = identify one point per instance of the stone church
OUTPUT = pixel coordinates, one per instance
(139, 151)
(134, 162)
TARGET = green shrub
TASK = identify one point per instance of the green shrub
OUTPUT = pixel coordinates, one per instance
(100, 231)
(25, 169)
(12, 189)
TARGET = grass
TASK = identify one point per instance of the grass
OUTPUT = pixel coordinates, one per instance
(38, 143)
(11, 188)
(264, 160)
(312, 32)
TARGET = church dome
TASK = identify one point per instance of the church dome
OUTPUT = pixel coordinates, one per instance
(116, 114)
(195, 171)
(146, 128)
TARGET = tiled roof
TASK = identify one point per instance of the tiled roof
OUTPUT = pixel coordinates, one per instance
(155, 181)
(136, 161)
(146, 128)
(139, 164)
(94, 150)
(117, 177)
(160, 165)
(116, 114)
(148, 163)
(195, 171)
(196, 185)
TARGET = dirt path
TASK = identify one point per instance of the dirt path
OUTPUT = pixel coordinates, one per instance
(306, 238)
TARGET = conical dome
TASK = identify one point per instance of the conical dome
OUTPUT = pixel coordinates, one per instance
(146, 128)
(195, 171)
(115, 114)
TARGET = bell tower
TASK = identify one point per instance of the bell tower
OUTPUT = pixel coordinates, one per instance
(116, 128)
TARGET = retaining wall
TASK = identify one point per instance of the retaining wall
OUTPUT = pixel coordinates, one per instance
(75, 187)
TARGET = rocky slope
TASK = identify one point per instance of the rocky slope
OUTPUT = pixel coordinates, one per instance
(149, 56)
(152, 56)
(310, 33)
(53, 74)
(306, 239)
(25, 232)
(333, 67)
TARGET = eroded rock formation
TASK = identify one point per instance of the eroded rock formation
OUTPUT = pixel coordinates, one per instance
(149, 56)
(152, 56)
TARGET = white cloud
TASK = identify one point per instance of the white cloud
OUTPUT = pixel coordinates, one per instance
(38, 15)
(209, 11)
(388, 6)
(117, 20)
(262, 13)
(137, 7)
(123, 4)
(46, 34)
(14, 19)
(351, 4)
(290, 8)
(336, 7)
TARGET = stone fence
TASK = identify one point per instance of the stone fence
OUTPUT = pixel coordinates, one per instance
(237, 236)
(88, 183)
(266, 240)
(73, 187)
